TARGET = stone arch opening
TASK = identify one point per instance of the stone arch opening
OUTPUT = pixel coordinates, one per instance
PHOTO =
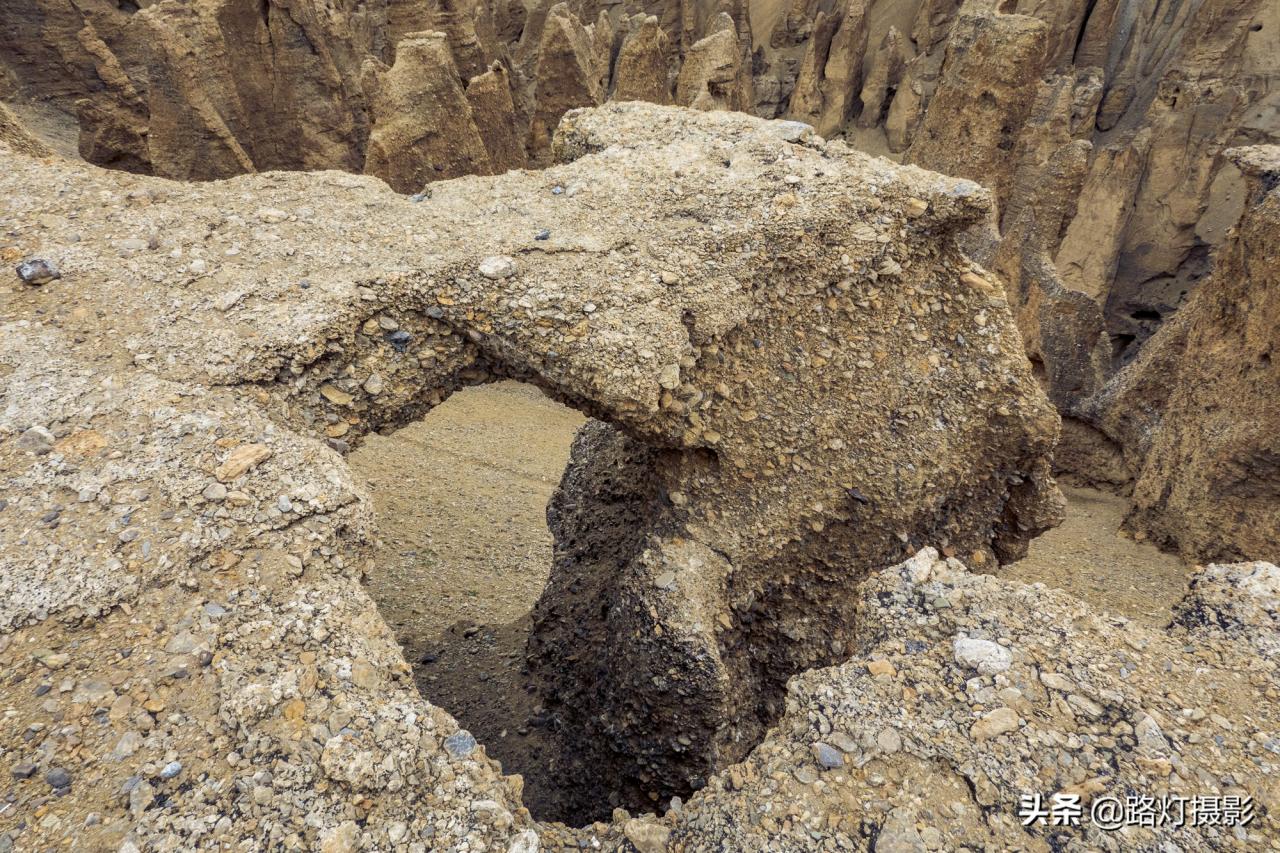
(463, 554)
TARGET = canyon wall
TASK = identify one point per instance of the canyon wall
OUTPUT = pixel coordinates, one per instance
(1196, 417)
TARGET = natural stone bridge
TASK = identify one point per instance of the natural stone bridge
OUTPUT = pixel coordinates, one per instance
(797, 376)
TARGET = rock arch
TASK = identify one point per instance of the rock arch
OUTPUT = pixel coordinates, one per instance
(798, 378)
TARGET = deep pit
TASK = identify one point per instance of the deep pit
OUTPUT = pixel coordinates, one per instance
(463, 554)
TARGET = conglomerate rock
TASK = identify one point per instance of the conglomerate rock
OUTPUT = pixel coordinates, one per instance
(967, 694)
(787, 347)
(817, 442)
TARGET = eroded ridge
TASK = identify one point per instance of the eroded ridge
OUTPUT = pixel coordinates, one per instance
(798, 378)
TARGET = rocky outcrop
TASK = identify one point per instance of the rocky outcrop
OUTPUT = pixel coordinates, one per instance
(738, 365)
(706, 578)
(711, 75)
(1196, 415)
(983, 99)
(492, 109)
(642, 70)
(968, 696)
(567, 76)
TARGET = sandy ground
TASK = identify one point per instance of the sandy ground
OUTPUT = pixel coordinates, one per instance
(465, 551)
(1091, 558)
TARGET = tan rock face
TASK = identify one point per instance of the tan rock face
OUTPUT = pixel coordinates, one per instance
(711, 75)
(567, 76)
(1196, 414)
(492, 110)
(984, 96)
(423, 128)
(642, 70)
(220, 87)
(710, 565)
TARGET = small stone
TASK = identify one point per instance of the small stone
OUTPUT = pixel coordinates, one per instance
(843, 742)
(23, 771)
(460, 744)
(141, 797)
(914, 208)
(1057, 682)
(669, 377)
(171, 770)
(51, 659)
(986, 657)
(215, 492)
(792, 131)
(128, 744)
(343, 839)
(1085, 706)
(37, 440)
(37, 271)
(889, 741)
(374, 385)
(58, 777)
(198, 266)
(881, 667)
(272, 215)
(994, 724)
(400, 340)
(526, 841)
(336, 395)
(646, 835)
(183, 643)
(543, 234)
(284, 504)
(129, 534)
(827, 756)
(497, 266)
(243, 459)
(805, 775)
(898, 834)
(666, 580)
